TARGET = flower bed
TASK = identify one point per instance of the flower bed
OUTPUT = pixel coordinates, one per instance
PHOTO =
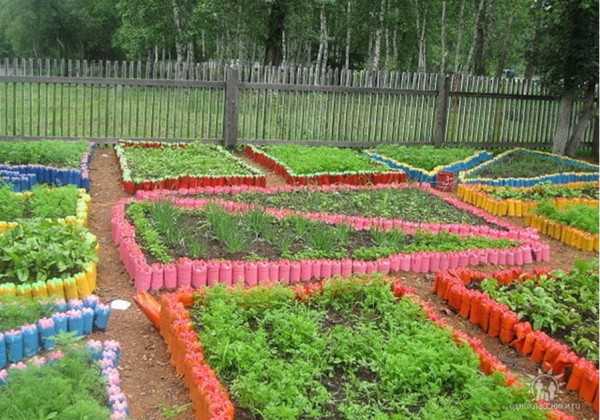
(63, 204)
(520, 202)
(50, 162)
(304, 165)
(76, 383)
(42, 258)
(408, 207)
(423, 163)
(573, 224)
(330, 323)
(562, 304)
(526, 168)
(276, 252)
(28, 327)
(154, 165)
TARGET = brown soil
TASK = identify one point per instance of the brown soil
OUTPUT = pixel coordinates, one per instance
(149, 381)
(273, 180)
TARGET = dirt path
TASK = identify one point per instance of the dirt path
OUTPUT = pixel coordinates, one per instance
(151, 384)
(149, 381)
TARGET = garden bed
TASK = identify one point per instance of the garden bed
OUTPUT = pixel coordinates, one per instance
(571, 223)
(199, 244)
(520, 202)
(409, 207)
(526, 168)
(74, 383)
(424, 163)
(63, 204)
(338, 349)
(525, 310)
(173, 166)
(26, 163)
(43, 258)
(28, 327)
(306, 165)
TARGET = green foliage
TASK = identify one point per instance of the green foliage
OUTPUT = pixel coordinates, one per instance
(62, 154)
(172, 162)
(307, 160)
(546, 191)
(524, 164)
(565, 306)
(578, 216)
(42, 250)
(12, 206)
(17, 311)
(410, 204)
(352, 352)
(216, 233)
(44, 202)
(71, 388)
(424, 157)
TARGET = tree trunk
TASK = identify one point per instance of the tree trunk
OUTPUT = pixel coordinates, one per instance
(585, 116)
(561, 137)
(480, 34)
(348, 35)
(457, 52)
(480, 10)
(275, 27)
(595, 139)
(377, 45)
(444, 27)
(506, 45)
(179, 36)
(421, 22)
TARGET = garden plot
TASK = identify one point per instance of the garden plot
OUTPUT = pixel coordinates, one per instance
(571, 223)
(302, 165)
(43, 258)
(26, 163)
(199, 244)
(552, 318)
(526, 168)
(148, 166)
(423, 163)
(76, 382)
(63, 204)
(520, 202)
(362, 348)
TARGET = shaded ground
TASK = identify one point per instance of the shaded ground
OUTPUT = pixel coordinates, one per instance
(151, 384)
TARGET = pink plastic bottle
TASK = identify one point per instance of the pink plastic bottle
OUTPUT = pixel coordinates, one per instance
(336, 268)
(295, 272)
(493, 256)
(434, 262)
(510, 257)
(250, 274)
(212, 273)
(274, 271)
(326, 269)
(226, 273)
(383, 266)
(346, 267)
(143, 277)
(170, 273)
(184, 273)
(284, 272)
(415, 262)
(199, 274)
(316, 269)
(237, 273)
(444, 263)
(359, 267)
(263, 273)
(305, 271)
(405, 262)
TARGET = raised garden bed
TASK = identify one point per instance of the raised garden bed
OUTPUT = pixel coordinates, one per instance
(571, 223)
(409, 207)
(153, 165)
(304, 165)
(520, 202)
(526, 168)
(234, 245)
(75, 383)
(28, 327)
(63, 204)
(350, 349)
(424, 163)
(526, 310)
(42, 258)
(26, 163)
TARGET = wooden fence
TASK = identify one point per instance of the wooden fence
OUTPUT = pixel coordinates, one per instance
(418, 109)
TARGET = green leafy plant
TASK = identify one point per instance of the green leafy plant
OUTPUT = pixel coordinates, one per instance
(424, 157)
(41, 202)
(354, 351)
(65, 154)
(215, 233)
(42, 250)
(579, 216)
(564, 305)
(17, 311)
(546, 191)
(308, 160)
(71, 388)
(526, 163)
(411, 204)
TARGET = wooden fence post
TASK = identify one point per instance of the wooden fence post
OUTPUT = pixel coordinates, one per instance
(441, 109)
(232, 94)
